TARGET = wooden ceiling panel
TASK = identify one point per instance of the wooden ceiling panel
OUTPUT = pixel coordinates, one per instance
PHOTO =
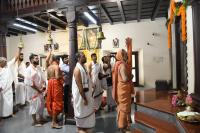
(131, 2)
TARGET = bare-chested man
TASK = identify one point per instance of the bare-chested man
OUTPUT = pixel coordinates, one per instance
(55, 91)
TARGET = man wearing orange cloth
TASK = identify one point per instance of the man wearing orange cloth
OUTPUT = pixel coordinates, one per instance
(54, 100)
(122, 90)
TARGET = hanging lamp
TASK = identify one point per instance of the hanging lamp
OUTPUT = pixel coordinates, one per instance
(21, 43)
(50, 40)
(100, 34)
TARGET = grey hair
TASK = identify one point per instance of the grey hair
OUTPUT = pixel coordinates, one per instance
(2, 60)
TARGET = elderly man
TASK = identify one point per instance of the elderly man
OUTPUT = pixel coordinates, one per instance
(35, 81)
(82, 97)
(122, 90)
(7, 76)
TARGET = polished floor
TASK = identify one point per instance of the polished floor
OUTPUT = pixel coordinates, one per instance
(21, 123)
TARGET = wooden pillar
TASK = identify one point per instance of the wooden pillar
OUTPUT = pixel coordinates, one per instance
(3, 30)
(3, 45)
(196, 33)
(73, 44)
(73, 49)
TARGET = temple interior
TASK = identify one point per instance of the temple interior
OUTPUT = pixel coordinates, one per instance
(165, 51)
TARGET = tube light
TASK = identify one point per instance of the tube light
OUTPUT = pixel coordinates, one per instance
(25, 27)
(25, 21)
(90, 17)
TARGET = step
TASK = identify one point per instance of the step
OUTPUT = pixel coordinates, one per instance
(161, 126)
(136, 131)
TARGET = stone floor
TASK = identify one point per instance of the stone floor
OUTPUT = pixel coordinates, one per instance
(21, 123)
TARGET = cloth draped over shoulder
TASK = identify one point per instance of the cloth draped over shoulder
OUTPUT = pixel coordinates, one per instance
(80, 110)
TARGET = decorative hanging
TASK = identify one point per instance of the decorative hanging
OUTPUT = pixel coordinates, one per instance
(177, 9)
(21, 43)
(50, 40)
(100, 34)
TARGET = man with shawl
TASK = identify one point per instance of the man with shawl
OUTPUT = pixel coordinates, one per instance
(82, 97)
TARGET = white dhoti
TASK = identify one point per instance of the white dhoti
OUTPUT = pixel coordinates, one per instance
(88, 122)
(20, 93)
(7, 103)
(84, 114)
(110, 100)
(98, 100)
(1, 104)
(36, 102)
(6, 80)
(98, 90)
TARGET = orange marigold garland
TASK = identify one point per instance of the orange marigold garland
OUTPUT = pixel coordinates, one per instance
(177, 11)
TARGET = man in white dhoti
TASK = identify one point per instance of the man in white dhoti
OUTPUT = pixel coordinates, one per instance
(34, 80)
(94, 69)
(107, 70)
(7, 76)
(82, 97)
(20, 88)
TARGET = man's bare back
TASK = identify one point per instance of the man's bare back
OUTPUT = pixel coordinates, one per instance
(53, 71)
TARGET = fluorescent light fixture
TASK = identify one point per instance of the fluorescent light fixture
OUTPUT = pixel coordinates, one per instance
(90, 17)
(24, 27)
(25, 21)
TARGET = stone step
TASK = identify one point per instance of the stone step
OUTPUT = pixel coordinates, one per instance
(136, 131)
(160, 126)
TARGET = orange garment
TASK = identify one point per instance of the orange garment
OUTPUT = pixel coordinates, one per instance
(122, 92)
(55, 94)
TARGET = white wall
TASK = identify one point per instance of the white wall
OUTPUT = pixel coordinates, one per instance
(155, 63)
(190, 50)
(34, 43)
(154, 58)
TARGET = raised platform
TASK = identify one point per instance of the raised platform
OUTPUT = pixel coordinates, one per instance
(156, 106)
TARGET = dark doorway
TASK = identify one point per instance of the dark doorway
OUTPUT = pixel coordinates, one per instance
(135, 68)
(181, 56)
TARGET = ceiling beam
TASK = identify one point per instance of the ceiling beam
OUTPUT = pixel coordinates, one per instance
(17, 31)
(139, 10)
(45, 21)
(11, 33)
(106, 14)
(93, 15)
(41, 25)
(83, 21)
(57, 18)
(60, 4)
(119, 3)
(94, 2)
(38, 26)
(28, 25)
(155, 10)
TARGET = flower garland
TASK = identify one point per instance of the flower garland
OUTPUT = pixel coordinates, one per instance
(177, 11)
